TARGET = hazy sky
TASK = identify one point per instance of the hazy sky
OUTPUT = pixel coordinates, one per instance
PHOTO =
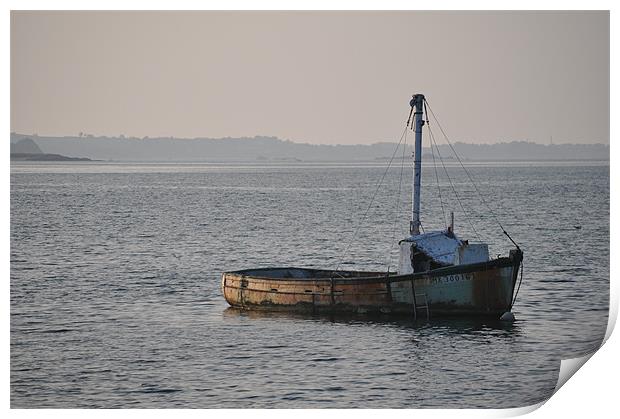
(318, 77)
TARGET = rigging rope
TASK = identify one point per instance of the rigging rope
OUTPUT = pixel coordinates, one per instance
(443, 211)
(469, 175)
(370, 204)
(434, 147)
(397, 202)
(426, 104)
(430, 131)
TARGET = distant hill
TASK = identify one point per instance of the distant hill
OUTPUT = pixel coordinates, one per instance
(26, 146)
(25, 149)
(274, 149)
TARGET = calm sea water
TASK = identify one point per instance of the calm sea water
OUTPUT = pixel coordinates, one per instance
(115, 294)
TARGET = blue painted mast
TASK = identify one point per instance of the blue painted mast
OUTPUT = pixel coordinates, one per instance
(417, 102)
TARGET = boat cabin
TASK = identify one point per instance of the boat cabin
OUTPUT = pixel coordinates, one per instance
(428, 251)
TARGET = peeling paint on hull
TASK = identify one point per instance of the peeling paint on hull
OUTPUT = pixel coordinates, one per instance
(476, 289)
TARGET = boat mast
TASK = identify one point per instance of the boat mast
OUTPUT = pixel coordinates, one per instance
(417, 102)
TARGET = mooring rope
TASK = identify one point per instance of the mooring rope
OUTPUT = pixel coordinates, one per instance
(514, 299)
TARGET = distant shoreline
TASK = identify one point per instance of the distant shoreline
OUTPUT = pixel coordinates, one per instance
(273, 149)
(302, 163)
(37, 157)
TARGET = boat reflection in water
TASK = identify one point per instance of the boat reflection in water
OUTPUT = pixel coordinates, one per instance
(447, 325)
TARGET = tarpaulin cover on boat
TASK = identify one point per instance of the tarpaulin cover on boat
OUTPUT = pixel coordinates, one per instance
(441, 246)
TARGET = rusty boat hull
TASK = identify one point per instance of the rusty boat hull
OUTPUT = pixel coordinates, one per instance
(484, 289)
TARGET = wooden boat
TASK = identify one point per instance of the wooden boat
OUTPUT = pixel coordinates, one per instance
(438, 274)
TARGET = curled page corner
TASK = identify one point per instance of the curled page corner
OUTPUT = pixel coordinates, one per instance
(613, 313)
(568, 367)
(518, 411)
